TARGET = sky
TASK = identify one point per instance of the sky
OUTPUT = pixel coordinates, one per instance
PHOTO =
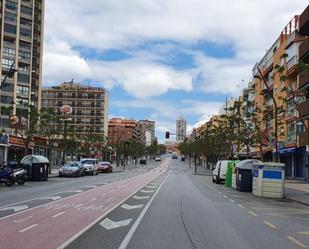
(162, 59)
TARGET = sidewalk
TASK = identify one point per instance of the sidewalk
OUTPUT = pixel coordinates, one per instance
(297, 191)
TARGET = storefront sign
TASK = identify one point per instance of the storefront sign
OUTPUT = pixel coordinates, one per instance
(287, 150)
(4, 139)
(19, 141)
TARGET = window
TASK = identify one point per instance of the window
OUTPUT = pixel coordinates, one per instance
(9, 52)
(9, 28)
(24, 55)
(26, 10)
(23, 90)
(23, 67)
(25, 45)
(26, 22)
(25, 78)
(10, 17)
(7, 62)
(11, 5)
(25, 32)
(8, 88)
(8, 43)
(6, 99)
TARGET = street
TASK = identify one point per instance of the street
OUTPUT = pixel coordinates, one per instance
(163, 205)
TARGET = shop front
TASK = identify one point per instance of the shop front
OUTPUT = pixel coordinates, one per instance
(295, 161)
(17, 149)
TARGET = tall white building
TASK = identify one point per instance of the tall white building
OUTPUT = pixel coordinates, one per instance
(181, 129)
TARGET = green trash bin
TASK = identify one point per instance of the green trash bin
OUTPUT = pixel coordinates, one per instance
(229, 172)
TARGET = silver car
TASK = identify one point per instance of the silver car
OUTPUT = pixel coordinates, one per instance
(90, 166)
(72, 169)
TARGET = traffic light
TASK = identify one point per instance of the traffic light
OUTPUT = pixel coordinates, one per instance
(167, 135)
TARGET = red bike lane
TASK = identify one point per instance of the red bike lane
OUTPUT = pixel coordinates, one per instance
(50, 225)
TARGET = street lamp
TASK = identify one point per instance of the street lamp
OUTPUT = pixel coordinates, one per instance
(261, 77)
(11, 71)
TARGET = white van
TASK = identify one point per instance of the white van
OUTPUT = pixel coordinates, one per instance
(218, 174)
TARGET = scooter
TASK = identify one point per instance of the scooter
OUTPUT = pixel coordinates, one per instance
(7, 175)
(20, 176)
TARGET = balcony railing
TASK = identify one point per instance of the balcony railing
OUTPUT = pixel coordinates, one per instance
(304, 138)
(292, 62)
(303, 79)
(304, 51)
(303, 109)
(304, 22)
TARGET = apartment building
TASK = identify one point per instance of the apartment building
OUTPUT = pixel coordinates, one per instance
(149, 127)
(21, 49)
(89, 106)
(122, 130)
(181, 129)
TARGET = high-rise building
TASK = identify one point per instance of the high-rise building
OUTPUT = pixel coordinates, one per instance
(21, 48)
(181, 129)
(89, 106)
(149, 127)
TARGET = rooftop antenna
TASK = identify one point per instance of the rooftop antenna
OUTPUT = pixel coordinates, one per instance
(72, 81)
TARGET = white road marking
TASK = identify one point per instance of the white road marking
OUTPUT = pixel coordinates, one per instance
(224, 196)
(74, 191)
(231, 200)
(110, 224)
(93, 199)
(103, 194)
(132, 230)
(15, 208)
(58, 214)
(304, 233)
(241, 206)
(269, 224)
(130, 207)
(112, 191)
(151, 187)
(23, 219)
(297, 242)
(107, 200)
(92, 186)
(147, 191)
(50, 197)
(27, 228)
(79, 205)
(252, 213)
(136, 197)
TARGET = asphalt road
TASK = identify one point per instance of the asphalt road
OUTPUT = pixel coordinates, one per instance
(163, 207)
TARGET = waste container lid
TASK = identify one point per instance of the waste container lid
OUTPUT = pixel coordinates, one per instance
(273, 164)
(247, 163)
(34, 159)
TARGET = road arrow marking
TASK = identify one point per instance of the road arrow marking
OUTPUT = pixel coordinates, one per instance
(136, 197)
(129, 207)
(147, 191)
(109, 224)
(50, 197)
(15, 208)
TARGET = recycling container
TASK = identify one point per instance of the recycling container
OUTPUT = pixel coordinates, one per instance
(244, 174)
(229, 173)
(37, 167)
(268, 179)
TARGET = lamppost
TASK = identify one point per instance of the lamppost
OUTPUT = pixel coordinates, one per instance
(276, 111)
(65, 110)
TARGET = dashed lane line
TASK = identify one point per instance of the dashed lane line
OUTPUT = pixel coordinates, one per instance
(224, 196)
(241, 206)
(269, 224)
(93, 199)
(252, 213)
(304, 233)
(58, 214)
(23, 219)
(27, 228)
(231, 200)
(296, 242)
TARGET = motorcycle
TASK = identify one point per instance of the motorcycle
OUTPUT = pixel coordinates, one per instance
(7, 176)
(20, 176)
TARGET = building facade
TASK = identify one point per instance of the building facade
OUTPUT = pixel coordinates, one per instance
(149, 127)
(21, 49)
(122, 130)
(89, 106)
(181, 129)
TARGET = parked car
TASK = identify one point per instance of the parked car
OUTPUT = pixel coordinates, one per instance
(158, 158)
(105, 167)
(218, 174)
(183, 158)
(90, 166)
(72, 169)
(143, 161)
(174, 156)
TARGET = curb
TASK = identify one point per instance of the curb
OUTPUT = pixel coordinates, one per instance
(300, 202)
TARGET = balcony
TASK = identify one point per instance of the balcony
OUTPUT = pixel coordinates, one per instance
(304, 51)
(304, 108)
(303, 79)
(304, 138)
(304, 22)
(292, 62)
